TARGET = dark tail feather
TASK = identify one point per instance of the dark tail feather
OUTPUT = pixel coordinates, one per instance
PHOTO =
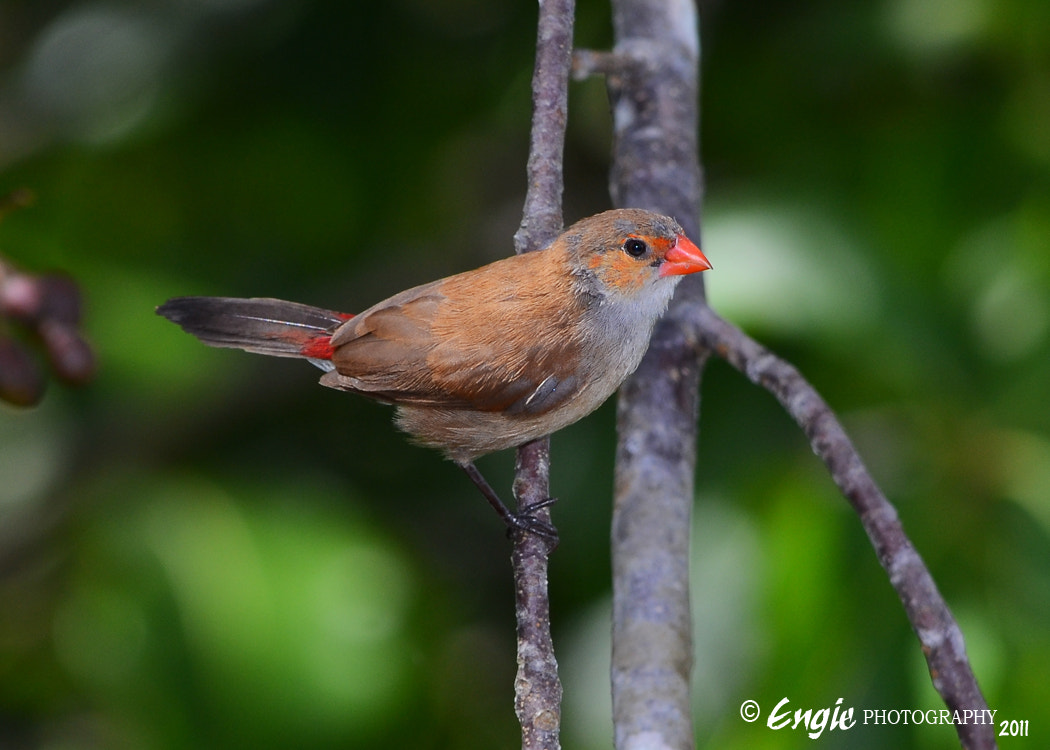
(259, 324)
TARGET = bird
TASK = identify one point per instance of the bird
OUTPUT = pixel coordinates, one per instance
(487, 359)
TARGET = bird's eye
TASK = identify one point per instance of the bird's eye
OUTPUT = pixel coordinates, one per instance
(635, 247)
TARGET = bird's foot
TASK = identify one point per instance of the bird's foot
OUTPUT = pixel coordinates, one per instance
(524, 521)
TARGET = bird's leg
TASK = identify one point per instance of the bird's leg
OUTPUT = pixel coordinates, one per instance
(523, 520)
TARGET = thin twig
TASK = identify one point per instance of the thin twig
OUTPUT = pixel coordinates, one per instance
(939, 634)
(537, 689)
(542, 216)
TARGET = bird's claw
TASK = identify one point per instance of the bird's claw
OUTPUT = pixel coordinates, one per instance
(524, 521)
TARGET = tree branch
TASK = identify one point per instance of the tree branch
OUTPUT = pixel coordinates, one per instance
(542, 216)
(939, 634)
(653, 88)
(538, 690)
(652, 77)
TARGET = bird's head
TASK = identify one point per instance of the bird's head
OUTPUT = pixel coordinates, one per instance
(629, 253)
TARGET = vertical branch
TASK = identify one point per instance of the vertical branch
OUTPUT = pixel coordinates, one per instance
(542, 220)
(654, 88)
(537, 688)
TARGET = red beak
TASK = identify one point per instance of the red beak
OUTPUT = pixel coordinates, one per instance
(683, 258)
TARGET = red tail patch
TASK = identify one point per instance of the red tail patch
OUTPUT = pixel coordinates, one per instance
(319, 347)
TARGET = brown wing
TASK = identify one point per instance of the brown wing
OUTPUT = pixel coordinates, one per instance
(479, 340)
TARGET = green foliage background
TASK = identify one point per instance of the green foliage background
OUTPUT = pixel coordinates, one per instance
(203, 549)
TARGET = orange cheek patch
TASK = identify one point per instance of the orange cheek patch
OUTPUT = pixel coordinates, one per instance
(622, 273)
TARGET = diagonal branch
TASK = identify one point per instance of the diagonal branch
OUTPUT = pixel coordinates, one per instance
(538, 690)
(939, 634)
